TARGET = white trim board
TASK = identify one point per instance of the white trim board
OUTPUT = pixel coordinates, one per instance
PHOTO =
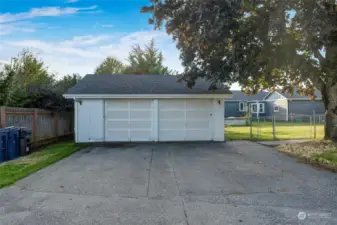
(145, 96)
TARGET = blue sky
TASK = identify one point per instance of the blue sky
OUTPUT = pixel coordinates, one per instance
(75, 36)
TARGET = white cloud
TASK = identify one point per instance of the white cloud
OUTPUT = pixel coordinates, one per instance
(22, 26)
(43, 12)
(108, 25)
(82, 54)
(86, 40)
(71, 1)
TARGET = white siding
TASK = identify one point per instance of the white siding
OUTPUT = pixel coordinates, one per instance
(218, 120)
(90, 120)
(275, 96)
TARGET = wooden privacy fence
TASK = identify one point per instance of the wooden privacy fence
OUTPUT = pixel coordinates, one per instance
(46, 126)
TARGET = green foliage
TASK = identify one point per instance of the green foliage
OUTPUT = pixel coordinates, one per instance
(147, 60)
(110, 66)
(25, 82)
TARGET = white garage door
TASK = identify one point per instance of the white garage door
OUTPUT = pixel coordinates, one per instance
(185, 120)
(128, 120)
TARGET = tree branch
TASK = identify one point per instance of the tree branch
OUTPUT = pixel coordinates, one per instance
(318, 55)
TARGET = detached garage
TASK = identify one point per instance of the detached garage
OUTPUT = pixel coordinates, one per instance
(146, 108)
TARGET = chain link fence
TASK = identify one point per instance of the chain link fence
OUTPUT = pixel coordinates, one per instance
(275, 128)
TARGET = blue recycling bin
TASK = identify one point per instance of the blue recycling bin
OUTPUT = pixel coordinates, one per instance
(3, 145)
(13, 147)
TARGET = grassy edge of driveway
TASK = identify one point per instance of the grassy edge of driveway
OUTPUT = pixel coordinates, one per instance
(318, 153)
(14, 170)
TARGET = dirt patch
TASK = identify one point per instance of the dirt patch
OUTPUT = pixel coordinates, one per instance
(322, 154)
(306, 149)
(32, 159)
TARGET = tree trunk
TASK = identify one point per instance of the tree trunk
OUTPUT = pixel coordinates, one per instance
(329, 97)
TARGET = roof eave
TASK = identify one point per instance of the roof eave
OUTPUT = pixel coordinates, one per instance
(148, 96)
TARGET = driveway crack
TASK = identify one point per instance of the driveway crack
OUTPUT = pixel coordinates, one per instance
(174, 173)
(185, 213)
(149, 178)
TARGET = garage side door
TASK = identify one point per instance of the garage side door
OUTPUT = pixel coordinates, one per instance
(185, 120)
(128, 120)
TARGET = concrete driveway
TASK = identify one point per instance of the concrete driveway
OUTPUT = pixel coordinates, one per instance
(187, 184)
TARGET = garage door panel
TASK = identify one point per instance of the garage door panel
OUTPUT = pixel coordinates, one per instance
(197, 124)
(197, 114)
(140, 125)
(141, 104)
(117, 104)
(171, 104)
(141, 114)
(117, 114)
(178, 124)
(113, 124)
(171, 114)
(197, 135)
(140, 135)
(171, 135)
(117, 135)
(188, 119)
(129, 120)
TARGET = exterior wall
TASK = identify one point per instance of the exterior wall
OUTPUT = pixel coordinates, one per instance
(282, 114)
(305, 107)
(232, 109)
(89, 120)
(218, 120)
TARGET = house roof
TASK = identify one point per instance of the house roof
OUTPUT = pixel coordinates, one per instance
(140, 84)
(298, 96)
(240, 96)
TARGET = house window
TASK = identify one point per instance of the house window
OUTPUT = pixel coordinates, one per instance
(254, 106)
(243, 106)
(276, 108)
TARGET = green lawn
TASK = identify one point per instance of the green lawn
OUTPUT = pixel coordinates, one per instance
(14, 170)
(284, 131)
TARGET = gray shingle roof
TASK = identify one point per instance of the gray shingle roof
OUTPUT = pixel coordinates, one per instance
(140, 84)
(298, 96)
(240, 96)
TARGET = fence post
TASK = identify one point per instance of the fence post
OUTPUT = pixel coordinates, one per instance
(314, 121)
(56, 124)
(35, 114)
(274, 130)
(251, 127)
(3, 117)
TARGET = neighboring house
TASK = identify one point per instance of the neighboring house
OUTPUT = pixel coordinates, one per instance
(286, 107)
(135, 108)
(240, 104)
(283, 106)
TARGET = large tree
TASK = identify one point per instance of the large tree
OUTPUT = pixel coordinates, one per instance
(23, 78)
(26, 82)
(147, 60)
(262, 44)
(110, 65)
